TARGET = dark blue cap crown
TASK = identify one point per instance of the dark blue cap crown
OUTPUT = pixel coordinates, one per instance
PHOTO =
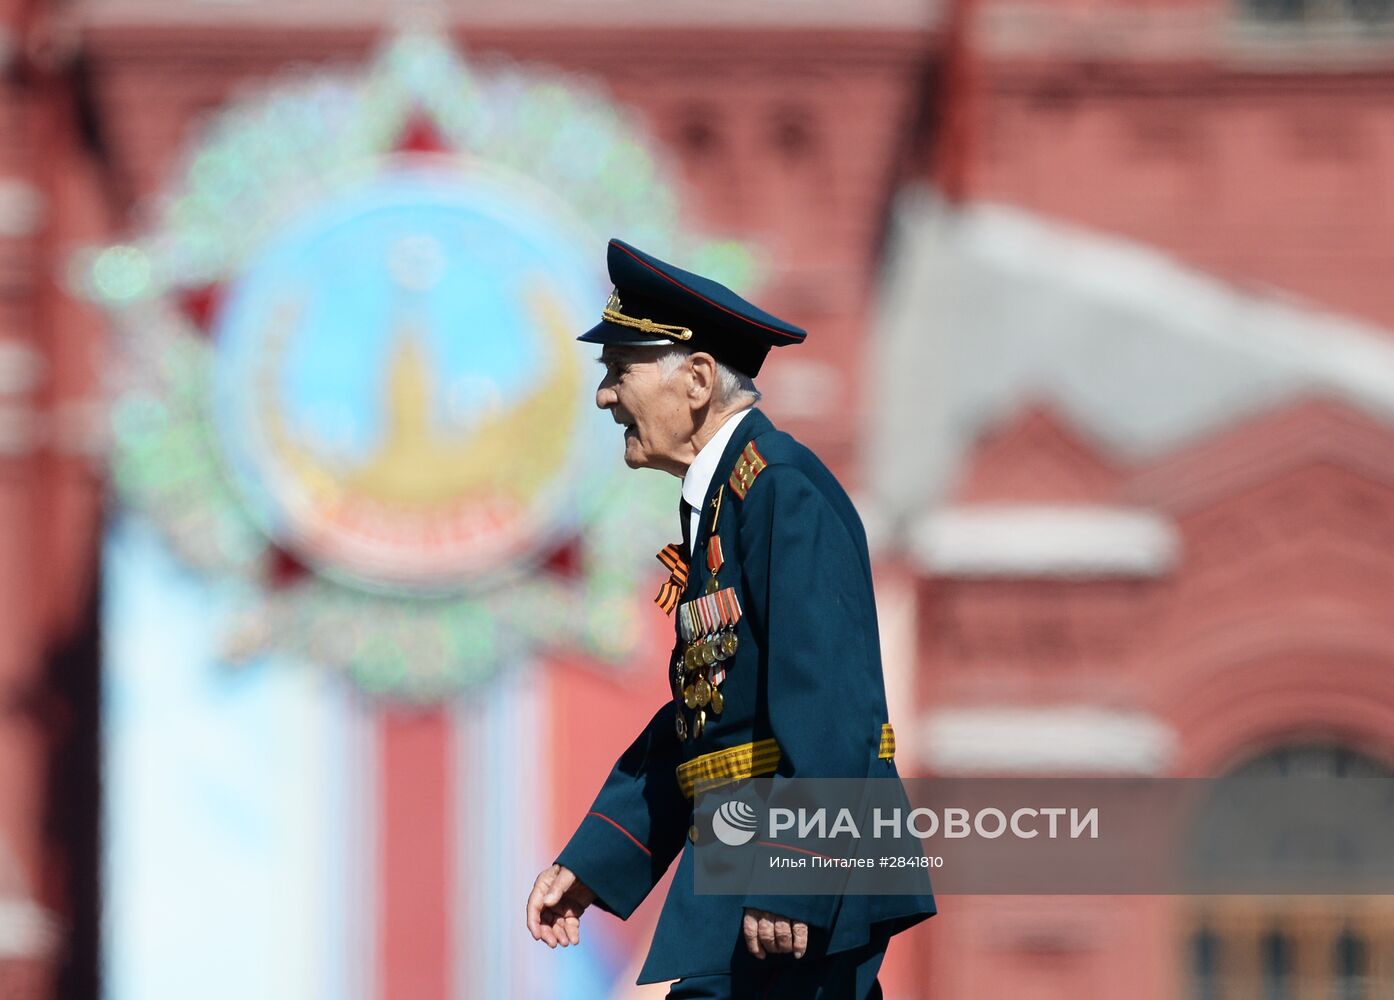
(655, 303)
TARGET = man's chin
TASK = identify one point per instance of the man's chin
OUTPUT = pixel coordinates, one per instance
(633, 457)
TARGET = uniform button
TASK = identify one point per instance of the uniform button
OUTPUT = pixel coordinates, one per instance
(692, 834)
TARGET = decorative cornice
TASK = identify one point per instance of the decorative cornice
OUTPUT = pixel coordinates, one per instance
(1027, 540)
(1123, 34)
(1217, 37)
(1067, 739)
(525, 13)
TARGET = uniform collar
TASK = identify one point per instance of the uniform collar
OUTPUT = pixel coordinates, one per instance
(697, 483)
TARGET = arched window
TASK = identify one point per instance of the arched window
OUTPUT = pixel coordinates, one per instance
(1291, 948)
(1205, 964)
(1351, 962)
(1327, 17)
(1277, 966)
(1270, 11)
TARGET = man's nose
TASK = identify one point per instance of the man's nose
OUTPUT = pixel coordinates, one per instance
(605, 396)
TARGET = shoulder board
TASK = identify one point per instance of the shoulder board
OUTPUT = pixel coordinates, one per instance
(749, 466)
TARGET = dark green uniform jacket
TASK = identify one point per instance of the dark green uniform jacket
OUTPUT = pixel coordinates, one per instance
(807, 673)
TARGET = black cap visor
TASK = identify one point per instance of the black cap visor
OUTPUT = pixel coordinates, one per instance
(606, 332)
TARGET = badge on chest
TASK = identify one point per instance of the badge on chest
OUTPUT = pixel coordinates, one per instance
(707, 630)
(707, 627)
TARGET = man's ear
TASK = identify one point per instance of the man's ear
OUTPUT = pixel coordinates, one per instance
(703, 384)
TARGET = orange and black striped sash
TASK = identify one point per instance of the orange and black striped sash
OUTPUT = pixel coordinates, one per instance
(675, 562)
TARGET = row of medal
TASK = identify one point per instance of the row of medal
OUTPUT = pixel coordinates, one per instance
(707, 627)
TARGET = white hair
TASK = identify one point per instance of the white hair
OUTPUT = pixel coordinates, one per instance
(731, 386)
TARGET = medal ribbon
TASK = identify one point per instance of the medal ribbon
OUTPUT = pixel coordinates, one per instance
(714, 560)
(673, 560)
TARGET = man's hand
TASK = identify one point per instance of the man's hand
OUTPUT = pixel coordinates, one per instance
(769, 933)
(555, 905)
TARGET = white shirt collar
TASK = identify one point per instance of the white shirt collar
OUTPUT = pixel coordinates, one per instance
(698, 480)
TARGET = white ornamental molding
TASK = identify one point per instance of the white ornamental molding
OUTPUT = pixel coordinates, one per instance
(26, 930)
(1055, 740)
(21, 367)
(21, 203)
(906, 15)
(1026, 540)
(21, 370)
(19, 430)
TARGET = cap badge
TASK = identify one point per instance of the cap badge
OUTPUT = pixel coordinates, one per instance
(613, 314)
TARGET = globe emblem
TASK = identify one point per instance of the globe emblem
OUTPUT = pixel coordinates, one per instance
(398, 394)
(734, 823)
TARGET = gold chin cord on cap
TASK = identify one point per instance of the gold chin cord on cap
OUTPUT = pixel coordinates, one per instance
(612, 314)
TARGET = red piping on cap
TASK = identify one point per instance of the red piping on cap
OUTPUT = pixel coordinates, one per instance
(714, 305)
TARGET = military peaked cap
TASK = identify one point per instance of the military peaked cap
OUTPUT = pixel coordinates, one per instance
(655, 303)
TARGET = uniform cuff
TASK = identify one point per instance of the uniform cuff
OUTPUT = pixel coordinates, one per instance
(612, 862)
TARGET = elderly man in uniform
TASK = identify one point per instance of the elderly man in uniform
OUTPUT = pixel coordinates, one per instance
(777, 668)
